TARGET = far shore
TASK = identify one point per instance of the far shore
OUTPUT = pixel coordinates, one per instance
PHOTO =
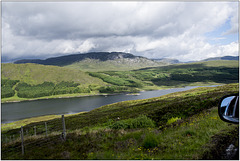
(54, 97)
(17, 99)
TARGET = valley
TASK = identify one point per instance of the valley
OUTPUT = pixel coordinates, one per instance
(153, 128)
(30, 81)
(115, 80)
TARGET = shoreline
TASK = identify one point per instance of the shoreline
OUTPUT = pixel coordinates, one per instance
(78, 96)
(127, 93)
(57, 97)
(95, 94)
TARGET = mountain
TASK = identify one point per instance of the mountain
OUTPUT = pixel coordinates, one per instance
(223, 58)
(70, 59)
(167, 60)
(175, 61)
(97, 61)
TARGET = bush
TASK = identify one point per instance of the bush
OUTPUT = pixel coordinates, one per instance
(139, 122)
(150, 141)
(119, 125)
(172, 120)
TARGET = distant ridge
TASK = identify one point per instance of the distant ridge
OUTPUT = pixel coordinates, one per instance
(97, 61)
(104, 56)
(70, 59)
(223, 58)
(175, 61)
(167, 60)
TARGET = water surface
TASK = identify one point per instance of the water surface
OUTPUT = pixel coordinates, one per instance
(20, 110)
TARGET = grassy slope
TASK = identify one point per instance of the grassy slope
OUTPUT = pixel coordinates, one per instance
(89, 136)
(221, 63)
(124, 65)
(37, 74)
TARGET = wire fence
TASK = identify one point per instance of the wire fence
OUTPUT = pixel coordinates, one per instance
(44, 133)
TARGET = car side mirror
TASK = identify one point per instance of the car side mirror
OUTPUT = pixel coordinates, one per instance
(228, 108)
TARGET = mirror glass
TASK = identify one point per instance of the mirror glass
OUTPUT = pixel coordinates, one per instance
(229, 109)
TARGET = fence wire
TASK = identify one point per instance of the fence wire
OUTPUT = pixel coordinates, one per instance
(41, 134)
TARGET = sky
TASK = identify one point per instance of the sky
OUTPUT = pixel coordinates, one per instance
(187, 31)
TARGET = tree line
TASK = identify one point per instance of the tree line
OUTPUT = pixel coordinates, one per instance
(49, 88)
(25, 90)
(116, 80)
(7, 88)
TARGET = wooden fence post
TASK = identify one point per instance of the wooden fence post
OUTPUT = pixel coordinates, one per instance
(46, 128)
(22, 140)
(35, 130)
(64, 128)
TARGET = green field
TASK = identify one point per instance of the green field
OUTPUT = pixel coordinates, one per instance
(183, 125)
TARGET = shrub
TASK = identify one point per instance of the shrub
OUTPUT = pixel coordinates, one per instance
(150, 141)
(139, 122)
(119, 125)
(172, 120)
(189, 133)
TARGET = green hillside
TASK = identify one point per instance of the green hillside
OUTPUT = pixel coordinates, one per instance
(213, 72)
(37, 74)
(26, 81)
(183, 125)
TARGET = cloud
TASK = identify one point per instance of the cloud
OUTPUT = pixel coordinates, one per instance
(234, 25)
(150, 29)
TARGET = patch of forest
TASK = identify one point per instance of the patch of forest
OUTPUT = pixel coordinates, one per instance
(172, 75)
(7, 88)
(25, 90)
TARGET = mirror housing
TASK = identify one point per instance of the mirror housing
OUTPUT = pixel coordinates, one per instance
(228, 108)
